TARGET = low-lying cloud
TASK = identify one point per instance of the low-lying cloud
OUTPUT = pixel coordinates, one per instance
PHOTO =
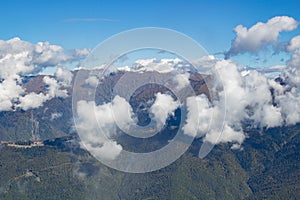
(20, 58)
(247, 98)
(98, 124)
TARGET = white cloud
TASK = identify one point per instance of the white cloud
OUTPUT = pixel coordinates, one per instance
(205, 63)
(92, 81)
(10, 91)
(98, 124)
(32, 100)
(163, 106)
(54, 88)
(207, 119)
(293, 70)
(122, 113)
(294, 44)
(64, 76)
(198, 117)
(260, 35)
(228, 134)
(290, 106)
(19, 58)
(244, 97)
(271, 116)
(158, 65)
(162, 66)
(181, 80)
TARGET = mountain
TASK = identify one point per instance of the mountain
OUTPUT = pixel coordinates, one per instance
(266, 167)
(54, 119)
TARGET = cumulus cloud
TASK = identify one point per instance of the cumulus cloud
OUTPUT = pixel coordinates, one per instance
(54, 88)
(271, 116)
(290, 106)
(293, 64)
(98, 124)
(181, 80)
(198, 117)
(228, 134)
(122, 113)
(92, 81)
(20, 58)
(294, 44)
(10, 91)
(64, 75)
(34, 100)
(205, 119)
(163, 107)
(250, 97)
(97, 139)
(260, 34)
(247, 98)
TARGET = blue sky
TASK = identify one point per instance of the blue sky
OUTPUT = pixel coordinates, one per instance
(80, 24)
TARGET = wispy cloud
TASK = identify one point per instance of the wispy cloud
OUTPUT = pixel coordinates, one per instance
(90, 20)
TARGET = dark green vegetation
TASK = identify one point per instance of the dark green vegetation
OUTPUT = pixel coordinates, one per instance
(267, 168)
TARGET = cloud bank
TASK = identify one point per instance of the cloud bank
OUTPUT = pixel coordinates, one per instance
(98, 124)
(250, 100)
(19, 58)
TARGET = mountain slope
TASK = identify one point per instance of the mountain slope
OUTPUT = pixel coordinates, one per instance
(267, 166)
